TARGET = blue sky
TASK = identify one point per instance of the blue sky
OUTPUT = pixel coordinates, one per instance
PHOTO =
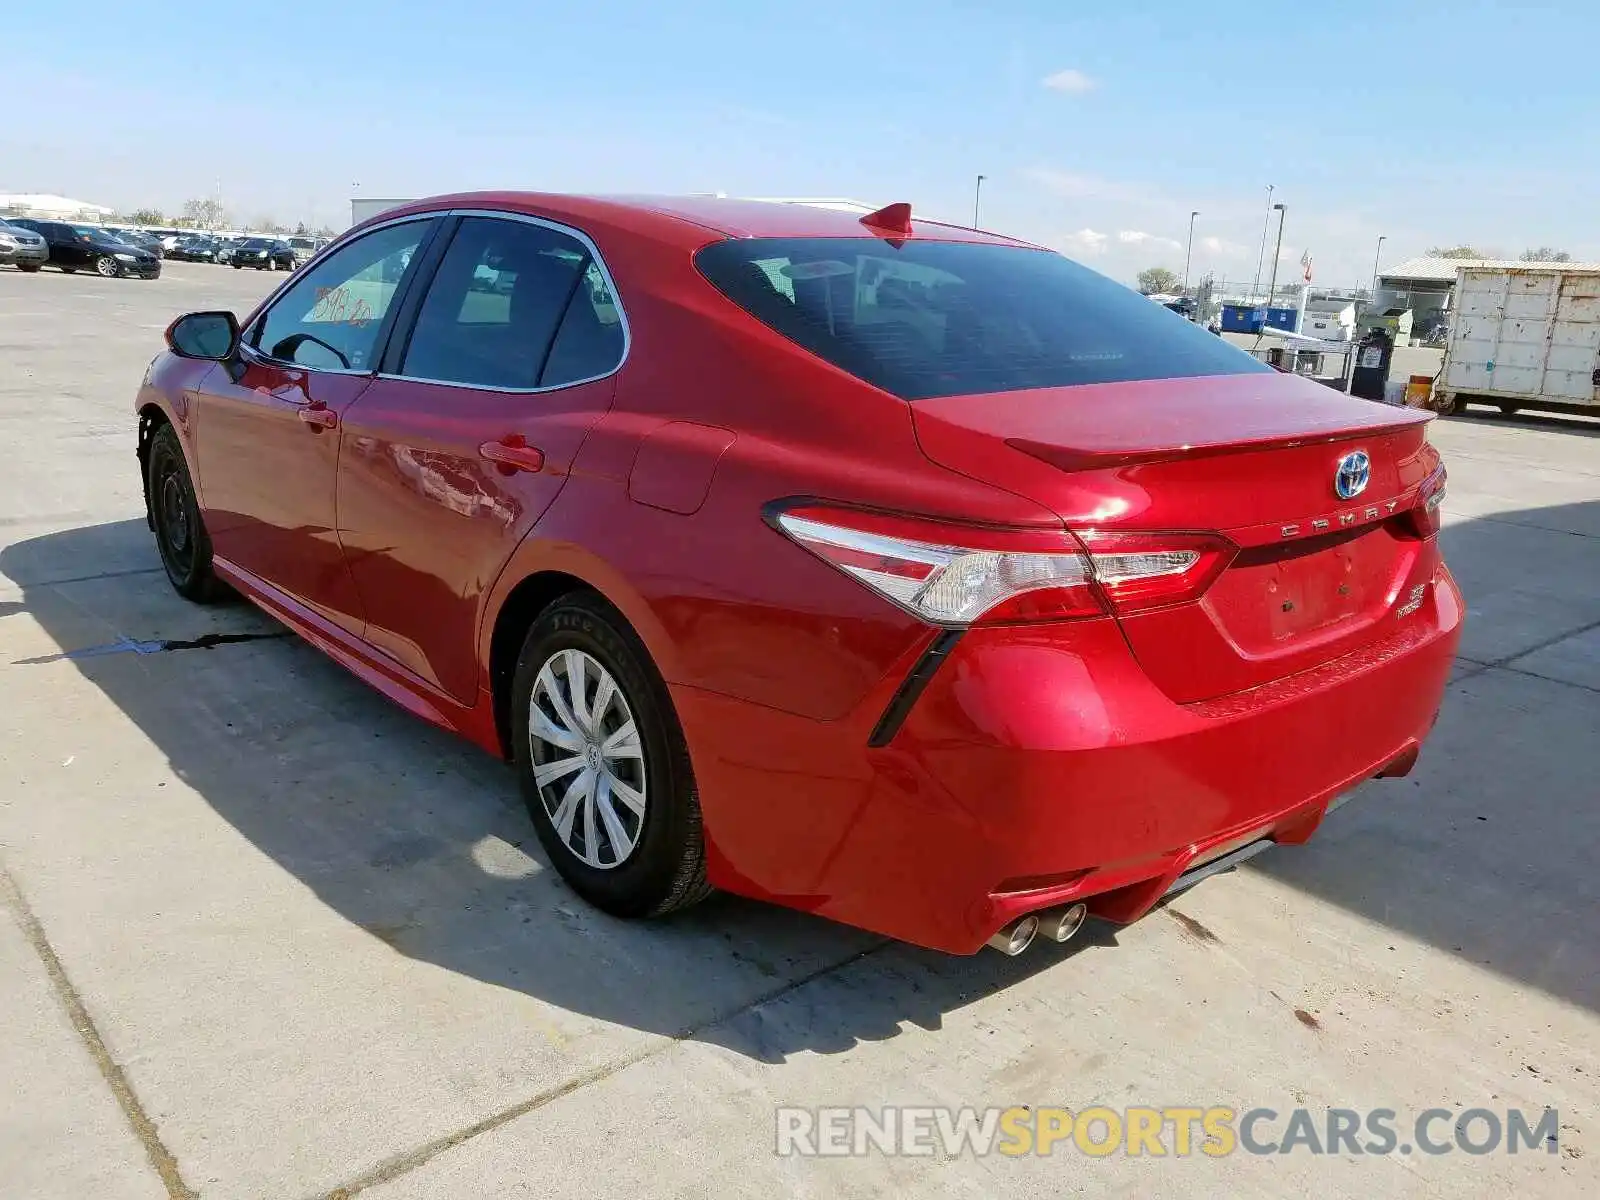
(1099, 126)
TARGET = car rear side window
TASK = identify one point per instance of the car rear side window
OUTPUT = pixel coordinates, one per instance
(329, 318)
(515, 305)
(590, 341)
(925, 318)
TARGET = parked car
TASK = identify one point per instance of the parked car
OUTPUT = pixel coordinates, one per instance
(305, 248)
(912, 575)
(88, 247)
(22, 248)
(143, 240)
(264, 254)
(195, 249)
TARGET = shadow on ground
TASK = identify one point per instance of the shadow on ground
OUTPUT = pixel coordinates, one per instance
(1555, 422)
(422, 840)
(1488, 851)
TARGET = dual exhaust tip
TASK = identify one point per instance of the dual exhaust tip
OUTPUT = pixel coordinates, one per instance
(1058, 924)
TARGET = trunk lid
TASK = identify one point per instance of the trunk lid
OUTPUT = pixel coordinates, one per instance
(1252, 457)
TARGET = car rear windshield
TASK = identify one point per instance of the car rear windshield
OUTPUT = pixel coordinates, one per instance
(926, 318)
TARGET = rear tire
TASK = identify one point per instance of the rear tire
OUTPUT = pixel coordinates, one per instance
(1511, 410)
(621, 823)
(29, 269)
(179, 528)
(69, 270)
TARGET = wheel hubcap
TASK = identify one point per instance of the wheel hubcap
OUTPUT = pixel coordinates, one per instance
(588, 759)
(174, 515)
(107, 267)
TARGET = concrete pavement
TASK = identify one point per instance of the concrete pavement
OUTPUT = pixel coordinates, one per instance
(265, 935)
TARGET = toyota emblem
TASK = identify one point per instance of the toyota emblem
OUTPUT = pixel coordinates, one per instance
(1350, 478)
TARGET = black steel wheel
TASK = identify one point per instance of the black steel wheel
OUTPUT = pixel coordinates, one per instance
(179, 528)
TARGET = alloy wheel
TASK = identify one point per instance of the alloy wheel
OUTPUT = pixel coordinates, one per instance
(106, 265)
(588, 759)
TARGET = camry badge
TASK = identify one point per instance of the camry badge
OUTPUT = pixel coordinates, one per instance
(1351, 476)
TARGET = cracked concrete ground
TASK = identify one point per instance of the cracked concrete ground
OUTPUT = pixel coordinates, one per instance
(264, 935)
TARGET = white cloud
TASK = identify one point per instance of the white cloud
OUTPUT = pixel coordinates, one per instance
(1137, 237)
(1085, 241)
(1222, 247)
(1071, 185)
(1074, 83)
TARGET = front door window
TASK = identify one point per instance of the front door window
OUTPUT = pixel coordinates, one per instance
(329, 319)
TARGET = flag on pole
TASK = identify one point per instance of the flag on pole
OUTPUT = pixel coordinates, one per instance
(1305, 265)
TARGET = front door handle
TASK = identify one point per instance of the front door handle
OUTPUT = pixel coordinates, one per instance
(317, 416)
(512, 454)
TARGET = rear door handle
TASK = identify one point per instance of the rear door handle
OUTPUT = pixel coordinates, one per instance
(512, 454)
(317, 416)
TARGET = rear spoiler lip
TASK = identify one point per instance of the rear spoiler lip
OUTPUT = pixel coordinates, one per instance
(1071, 458)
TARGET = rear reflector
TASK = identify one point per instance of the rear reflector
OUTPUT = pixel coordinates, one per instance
(960, 575)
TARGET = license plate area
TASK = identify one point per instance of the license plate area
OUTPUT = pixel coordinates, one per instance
(1273, 596)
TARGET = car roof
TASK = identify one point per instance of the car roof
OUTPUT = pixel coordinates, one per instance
(692, 218)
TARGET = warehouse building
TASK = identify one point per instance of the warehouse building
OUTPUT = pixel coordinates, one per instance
(1425, 286)
(51, 208)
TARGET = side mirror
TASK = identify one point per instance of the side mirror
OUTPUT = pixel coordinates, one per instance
(208, 335)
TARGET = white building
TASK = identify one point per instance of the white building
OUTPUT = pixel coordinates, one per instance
(1427, 285)
(50, 208)
(364, 207)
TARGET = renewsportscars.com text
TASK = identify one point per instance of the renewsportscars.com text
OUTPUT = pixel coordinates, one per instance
(1175, 1130)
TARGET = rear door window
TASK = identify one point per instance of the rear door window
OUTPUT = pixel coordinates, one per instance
(514, 305)
(927, 318)
(589, 343)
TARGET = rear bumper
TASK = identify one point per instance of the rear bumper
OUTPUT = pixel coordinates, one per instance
(1041, 766)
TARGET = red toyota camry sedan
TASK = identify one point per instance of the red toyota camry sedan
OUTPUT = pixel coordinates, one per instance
(910, 575)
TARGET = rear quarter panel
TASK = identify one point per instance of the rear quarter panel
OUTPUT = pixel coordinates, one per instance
(723, 601)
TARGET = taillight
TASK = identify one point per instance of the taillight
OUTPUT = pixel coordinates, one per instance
(1425, 517)
(1139, 571)
(962, 575)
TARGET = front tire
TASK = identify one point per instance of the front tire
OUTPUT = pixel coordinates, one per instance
(603, 764)
(107, 267)
(180, 530)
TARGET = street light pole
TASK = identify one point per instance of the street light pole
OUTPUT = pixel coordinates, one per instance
(977, 192)
(1272, 287)
(1376, 258)
(1266, 224)
(1189, 253)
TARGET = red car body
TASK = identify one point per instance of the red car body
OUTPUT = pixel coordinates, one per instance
(931, 781)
